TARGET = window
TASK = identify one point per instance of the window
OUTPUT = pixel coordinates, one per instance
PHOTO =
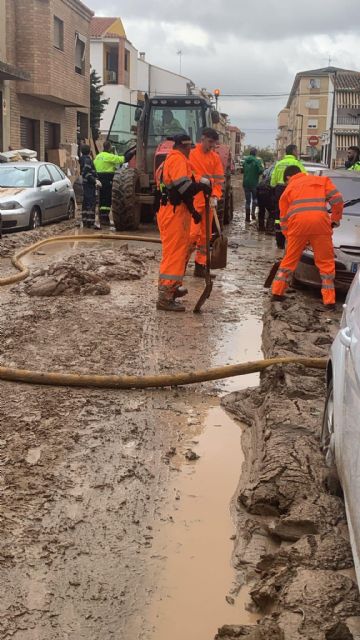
(312, 124)
(80, 53)
(43, 174)
(314, 83)
(127, 68)
(313, 104)
(54, 172)
(58, 34)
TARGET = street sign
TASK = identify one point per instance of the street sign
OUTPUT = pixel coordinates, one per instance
(313, 141)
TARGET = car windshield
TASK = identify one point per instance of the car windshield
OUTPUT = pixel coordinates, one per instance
(349, 188)
(17, 177)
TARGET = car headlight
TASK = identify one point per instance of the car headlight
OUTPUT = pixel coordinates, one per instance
(9, 206)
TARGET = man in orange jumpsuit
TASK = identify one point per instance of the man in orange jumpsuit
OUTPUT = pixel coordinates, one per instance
(304, 218)
(207, 166)
(178, 189)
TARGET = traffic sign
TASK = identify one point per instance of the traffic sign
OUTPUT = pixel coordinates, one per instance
(313, 141)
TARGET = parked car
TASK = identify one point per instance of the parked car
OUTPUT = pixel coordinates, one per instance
(34, 193)
(346, 238)
(340, 429)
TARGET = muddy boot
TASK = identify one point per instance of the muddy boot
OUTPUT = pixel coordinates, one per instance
(166, 301)
(200, 271)
(270, 224)
(180, 292)
(247, 214)
(253, 212)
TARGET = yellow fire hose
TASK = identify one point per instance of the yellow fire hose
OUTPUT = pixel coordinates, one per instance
(124, 381)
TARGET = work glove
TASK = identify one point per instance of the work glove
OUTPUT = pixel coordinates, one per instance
(213, 202)
(196, 216)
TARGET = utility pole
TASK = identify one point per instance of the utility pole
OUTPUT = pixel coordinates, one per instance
(300, 115)
(179, 53)
(332, 122)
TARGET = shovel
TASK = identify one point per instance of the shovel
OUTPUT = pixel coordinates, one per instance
(272, 273)
(208, 282)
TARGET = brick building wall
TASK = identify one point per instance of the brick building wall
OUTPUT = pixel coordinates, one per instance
(56, 94)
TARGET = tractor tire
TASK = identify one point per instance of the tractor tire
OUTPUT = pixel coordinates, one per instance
(126, 208)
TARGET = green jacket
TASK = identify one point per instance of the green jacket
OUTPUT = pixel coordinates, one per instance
(253, 168)
(355, 167)
(106, 162)
(277, 176)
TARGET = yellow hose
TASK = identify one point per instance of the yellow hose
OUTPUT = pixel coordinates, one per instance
(144, 382)
(124, 381)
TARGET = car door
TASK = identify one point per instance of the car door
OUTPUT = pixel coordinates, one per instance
(46, 193)
(350, 444)
(61, 196)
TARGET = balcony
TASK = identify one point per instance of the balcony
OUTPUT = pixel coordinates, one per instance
(110, 77)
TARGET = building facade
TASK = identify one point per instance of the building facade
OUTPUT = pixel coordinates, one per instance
(48, 40)
(236, 137)
(323, 109)
(124, 72)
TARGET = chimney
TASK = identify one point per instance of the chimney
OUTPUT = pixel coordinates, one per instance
(142, 55)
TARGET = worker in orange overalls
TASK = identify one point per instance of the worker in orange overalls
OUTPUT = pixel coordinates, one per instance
(178, 188)
(206, 165)
(304, 218)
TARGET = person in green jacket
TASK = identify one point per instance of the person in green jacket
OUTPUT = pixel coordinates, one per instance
(106, 161)
(106, 164)
(253, 168)
(290, 158)
(277, 182)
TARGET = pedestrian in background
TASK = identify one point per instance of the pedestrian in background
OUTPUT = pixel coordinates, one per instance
(89, 180)
(106, 163)
(305, 219)
(253, 168)
(277, 182)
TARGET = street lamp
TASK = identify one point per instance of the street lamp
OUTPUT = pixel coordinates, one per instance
(300, 115)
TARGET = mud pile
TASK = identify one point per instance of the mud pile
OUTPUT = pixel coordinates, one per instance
(292, 540)
(88, 272)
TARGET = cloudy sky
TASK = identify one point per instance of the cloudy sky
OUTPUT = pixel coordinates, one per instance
(242, 46)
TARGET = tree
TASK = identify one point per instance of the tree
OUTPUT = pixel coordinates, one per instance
(97, 104)
(267, 154)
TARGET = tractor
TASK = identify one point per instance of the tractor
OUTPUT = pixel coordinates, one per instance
(148, 128)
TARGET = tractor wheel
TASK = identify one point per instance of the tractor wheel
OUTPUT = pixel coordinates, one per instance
(125, 205)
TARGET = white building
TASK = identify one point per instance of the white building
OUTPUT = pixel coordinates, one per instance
(124, 73)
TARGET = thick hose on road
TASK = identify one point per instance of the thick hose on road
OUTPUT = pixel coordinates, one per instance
(156, 381)
(124, 381)
(25, 271)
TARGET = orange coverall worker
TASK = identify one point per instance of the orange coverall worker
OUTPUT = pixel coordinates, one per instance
(204, 165)
(174, 225)
(304, 218)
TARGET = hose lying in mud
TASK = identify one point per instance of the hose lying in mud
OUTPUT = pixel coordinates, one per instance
(156, 381)
(124, 381)
(25, 271)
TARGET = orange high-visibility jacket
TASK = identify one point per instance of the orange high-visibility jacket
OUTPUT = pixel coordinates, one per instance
(303, 205)
(207, 165)
(177, 172)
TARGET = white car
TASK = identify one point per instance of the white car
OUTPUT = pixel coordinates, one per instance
(34, 193)
(340, 436)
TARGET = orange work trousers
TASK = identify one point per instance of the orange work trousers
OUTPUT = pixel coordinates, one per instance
(174, 227)
(324, 259)
(198, 236)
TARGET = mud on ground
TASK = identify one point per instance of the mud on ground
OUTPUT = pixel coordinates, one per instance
(292, 542)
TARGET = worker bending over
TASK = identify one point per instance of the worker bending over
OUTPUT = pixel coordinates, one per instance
(207, 166)
(178, 189)
(304, 218)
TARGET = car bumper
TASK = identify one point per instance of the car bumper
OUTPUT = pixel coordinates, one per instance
(14, 219)
(345, 269)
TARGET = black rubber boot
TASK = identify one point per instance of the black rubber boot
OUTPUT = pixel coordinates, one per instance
(253, 210)
(247, 214)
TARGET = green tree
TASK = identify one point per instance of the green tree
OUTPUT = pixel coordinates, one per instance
(266, 154)
(97, 104)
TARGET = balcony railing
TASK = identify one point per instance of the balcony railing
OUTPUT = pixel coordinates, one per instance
(352, 121)
(111, 77)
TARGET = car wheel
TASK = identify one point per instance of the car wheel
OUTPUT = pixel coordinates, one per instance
(327, 442)
(35, 218)
(71, 210)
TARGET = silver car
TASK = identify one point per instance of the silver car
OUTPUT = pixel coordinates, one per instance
(346, 238)
(34, 193)
(340, 432)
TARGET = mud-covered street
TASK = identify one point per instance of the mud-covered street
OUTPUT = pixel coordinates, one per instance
(140, 514)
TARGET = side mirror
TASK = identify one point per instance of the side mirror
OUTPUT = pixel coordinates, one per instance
(46, 182)
(138, 112)
(215, 117)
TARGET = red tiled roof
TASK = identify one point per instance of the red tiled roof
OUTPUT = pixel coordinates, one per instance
(98, 26)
